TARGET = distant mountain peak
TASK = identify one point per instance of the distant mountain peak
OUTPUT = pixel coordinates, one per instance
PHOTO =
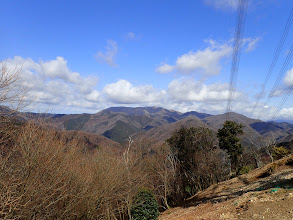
(140, 110)
(197, 114)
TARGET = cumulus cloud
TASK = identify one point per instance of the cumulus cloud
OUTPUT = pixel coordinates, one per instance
(182, 90)
(123, 92)
(109, 55)
(53, 83)
(57, 69)
(182, 95)
(205, 61)
(208, 61)
(164, 68)
(94, 96)
(222, 4)
(52, 69)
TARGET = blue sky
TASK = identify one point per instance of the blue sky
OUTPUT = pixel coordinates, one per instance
(84, 56)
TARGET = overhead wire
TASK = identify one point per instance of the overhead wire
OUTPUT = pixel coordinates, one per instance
(275, 59)
(284, 99)
(278, 80)
(237, 45)
(280, 75)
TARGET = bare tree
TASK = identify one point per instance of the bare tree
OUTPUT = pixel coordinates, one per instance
(12, 93)
(270, 142)
(163, 168)
(12, 89)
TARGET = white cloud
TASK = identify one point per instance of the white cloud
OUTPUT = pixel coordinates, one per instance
(205, 61)
(165, 68)
(286, 113)
(251, 43)
(222, 4)
(124, 92)
(288, 80)
(208, 61)
(53, 83)
(211, 107)
(131, 36)
(93, 96)
(266, 113)
(182, 90)
(183, 95)
(52, 70)
(187, 94)
(56, 69)
(279, 92)
(109, 55)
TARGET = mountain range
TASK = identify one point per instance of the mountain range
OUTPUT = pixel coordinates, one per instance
(153, 124)
(157, 124)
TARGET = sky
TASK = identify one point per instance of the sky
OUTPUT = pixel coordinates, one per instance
(85, 56)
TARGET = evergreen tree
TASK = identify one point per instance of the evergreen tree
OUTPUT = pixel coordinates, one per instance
(145, 206)
(229, 141)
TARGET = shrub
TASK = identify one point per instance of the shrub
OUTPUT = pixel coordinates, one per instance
(145, 206)
(279, 152)
(244, 169)
(43, 175)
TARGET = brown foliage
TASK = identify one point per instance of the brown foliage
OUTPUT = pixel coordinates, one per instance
(45, 176)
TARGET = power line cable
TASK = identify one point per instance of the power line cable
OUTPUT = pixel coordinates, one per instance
(237, 45)
(285, 97)
(279, 78)
(275, 58)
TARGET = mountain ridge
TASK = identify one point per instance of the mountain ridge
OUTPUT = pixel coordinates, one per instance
(118, 123)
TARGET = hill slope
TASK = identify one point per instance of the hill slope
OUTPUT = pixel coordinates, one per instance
(161, 133)
(264, 193)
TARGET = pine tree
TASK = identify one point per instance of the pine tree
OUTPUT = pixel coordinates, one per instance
(229, 141)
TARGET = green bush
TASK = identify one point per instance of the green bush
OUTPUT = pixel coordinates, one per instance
(279, 152)
(145, 206)
(244, 169)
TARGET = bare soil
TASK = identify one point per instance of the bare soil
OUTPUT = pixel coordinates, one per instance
(264, 193)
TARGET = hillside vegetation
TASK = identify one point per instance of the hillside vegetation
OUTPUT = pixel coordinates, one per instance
(59, 167)
(45, 175)
(48, 174)
(264, 193)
